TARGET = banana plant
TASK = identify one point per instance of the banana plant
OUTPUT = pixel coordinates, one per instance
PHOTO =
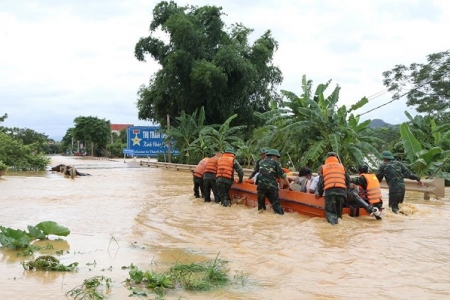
(245, 151)
(314, 124)
(424, 162)
(222, 136)
(187, 130)
(199, 149)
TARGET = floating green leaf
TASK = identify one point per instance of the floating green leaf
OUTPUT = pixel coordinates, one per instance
(36, 233)
(14, 238)
(51, 227)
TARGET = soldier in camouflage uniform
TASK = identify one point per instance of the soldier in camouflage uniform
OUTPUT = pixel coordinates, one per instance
(263, 153)
(395, 172)
(269, 170)
(226, 166)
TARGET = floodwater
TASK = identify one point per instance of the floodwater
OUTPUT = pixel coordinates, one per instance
(126, 214)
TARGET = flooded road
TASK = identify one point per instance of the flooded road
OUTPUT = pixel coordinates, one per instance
(125, 214)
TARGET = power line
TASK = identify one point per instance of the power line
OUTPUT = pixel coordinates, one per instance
(411, 90)
(376, 95)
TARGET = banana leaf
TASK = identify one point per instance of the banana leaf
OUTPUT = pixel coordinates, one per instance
(410, 143)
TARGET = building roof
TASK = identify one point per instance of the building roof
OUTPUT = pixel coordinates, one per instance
(119, 127)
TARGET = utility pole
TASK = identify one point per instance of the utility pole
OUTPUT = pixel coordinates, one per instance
(169, 153)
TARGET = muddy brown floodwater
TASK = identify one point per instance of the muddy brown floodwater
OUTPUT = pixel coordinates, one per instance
(126, 214)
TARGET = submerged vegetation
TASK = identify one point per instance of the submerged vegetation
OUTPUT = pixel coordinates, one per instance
(49, 263)
(203, 276)
(91, 288)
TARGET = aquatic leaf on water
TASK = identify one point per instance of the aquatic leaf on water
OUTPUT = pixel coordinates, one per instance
(14, 238)
(36, 233)
(135, 274)
(51, 227)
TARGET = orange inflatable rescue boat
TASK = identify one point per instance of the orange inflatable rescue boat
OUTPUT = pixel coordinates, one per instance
(294, 201)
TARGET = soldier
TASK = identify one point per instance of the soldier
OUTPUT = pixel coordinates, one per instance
(209, 178)
(197, 175)
(263, 153)
(269, 170)
(334, 182)
(368, 186)
(395, 172)
(226, 166)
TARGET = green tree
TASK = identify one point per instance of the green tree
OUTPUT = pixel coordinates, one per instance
(20, 157)
(388, 136)
(426, 86)
(68, 142)
(28, 136)
(202, 64)
(94, 132)
(3, 118)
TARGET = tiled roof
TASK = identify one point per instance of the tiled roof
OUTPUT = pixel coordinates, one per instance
(119, 127)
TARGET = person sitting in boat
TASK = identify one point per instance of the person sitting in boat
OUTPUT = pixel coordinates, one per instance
(368, 187)
(198, 178)
(315, 181)
(302, 182)
(226, 165)
(334, 183)
(209, 178)
(285, 184)
(269, 171)
(263, 153)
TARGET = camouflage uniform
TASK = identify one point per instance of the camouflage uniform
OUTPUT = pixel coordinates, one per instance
(256, 169)
(395, 172)
(269, 171)
(223, 185)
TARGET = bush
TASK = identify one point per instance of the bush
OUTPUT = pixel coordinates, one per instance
(3, 166)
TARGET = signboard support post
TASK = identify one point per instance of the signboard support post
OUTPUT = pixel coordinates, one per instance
(169, 154)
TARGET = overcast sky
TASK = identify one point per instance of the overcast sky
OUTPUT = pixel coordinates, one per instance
(64, 59)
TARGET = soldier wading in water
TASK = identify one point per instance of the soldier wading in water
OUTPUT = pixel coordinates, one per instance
(395, 172)
(269, 170)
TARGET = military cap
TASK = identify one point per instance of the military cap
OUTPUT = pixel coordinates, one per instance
(273, 152)
(387, 155)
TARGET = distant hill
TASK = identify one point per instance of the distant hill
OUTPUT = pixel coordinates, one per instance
(376, 123)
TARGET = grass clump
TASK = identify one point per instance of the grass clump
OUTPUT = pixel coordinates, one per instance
(201, 276)
(191, 276)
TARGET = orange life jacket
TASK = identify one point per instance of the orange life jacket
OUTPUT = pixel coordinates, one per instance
(225, 167)
(333, 174)
(200, 168)
(211, 165)
(373, 191)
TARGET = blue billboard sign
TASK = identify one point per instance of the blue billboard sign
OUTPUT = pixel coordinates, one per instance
(147, 141)
(128, 152)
